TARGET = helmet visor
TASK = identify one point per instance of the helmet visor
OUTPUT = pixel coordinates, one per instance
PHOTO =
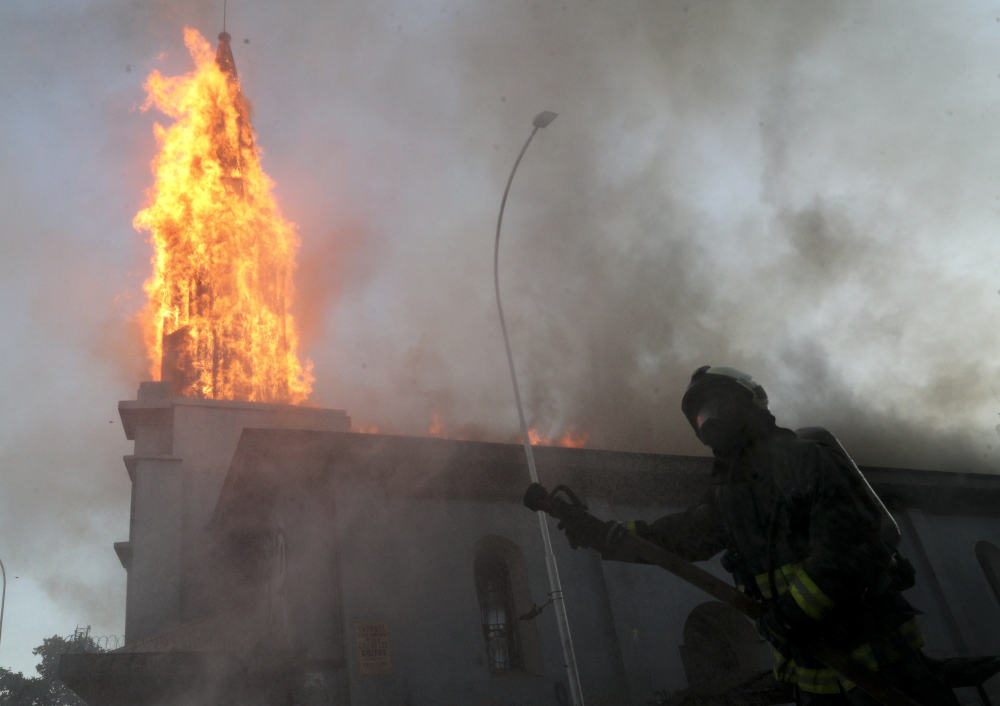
(716, 402)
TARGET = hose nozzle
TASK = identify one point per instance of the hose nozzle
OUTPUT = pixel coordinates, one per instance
(537, 498)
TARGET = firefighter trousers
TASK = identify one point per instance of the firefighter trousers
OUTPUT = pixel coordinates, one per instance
(910, 675)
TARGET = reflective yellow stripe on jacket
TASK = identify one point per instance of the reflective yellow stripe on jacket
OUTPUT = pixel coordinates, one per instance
(793, 577)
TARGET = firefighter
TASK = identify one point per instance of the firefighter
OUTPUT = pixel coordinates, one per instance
(804, 534)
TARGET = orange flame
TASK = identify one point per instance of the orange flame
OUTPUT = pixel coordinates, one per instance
(223, 254)
(436, 428)
(569, 439)
(575, 441)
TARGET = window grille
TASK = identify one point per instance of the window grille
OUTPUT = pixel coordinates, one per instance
(497, 608)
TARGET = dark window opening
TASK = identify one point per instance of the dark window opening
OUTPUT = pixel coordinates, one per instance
(721, 644)
(496, 606)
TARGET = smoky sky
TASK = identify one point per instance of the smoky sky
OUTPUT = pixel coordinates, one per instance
(804, 190)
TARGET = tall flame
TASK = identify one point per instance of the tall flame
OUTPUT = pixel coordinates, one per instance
(217, 319)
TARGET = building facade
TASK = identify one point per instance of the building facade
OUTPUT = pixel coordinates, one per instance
(276, 558)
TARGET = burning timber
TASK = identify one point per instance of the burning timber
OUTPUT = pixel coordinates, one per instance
(217, 324)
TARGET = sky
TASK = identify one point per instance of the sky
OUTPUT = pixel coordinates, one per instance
(808, 191)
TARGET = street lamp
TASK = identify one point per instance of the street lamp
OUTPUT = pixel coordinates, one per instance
(555, 585)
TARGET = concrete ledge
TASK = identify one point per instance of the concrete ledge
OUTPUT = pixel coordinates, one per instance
(124, 552)
(139, 413)
(132, 461)
(486, 471)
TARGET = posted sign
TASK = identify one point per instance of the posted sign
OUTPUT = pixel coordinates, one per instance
(374, 649)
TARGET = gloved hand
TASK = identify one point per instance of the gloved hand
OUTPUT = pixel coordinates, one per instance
(782, 621)
(585, 530)
(772, 624)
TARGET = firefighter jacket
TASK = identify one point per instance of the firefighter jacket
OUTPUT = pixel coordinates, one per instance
(802, 534)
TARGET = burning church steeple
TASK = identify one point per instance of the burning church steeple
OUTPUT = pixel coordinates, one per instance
(217, 322)
(224, 56)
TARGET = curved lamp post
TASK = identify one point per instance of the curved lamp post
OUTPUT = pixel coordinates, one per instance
(555, 585)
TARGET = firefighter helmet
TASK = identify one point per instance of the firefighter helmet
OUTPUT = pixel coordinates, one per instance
(713, 382)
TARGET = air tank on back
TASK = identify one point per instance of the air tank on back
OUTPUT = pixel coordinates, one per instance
(889, 528)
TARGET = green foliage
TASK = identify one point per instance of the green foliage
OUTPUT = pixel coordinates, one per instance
(17, 689)
(47, 689)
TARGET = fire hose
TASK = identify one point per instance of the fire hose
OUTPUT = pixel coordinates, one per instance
(537, 498)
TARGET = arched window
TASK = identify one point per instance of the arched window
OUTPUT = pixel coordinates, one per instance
(503, 587)
(720, 643)
(989, 558)
(496, 606)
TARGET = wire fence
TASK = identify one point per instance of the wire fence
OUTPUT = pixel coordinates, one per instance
(82, 641)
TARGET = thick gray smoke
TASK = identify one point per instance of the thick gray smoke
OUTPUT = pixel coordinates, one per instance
(804, 190)
(787, 188)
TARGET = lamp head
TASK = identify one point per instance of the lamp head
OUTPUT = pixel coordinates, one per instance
(544, 118)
